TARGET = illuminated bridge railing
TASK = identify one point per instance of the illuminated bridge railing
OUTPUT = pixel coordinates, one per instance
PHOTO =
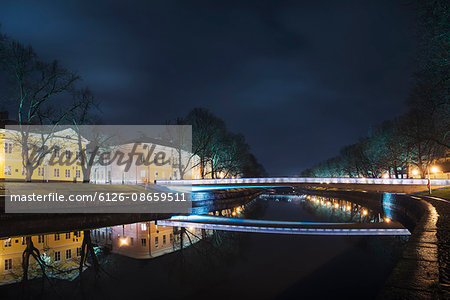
(303, 180)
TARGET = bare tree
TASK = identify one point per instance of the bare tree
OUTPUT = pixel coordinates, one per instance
(37, 87)
(83, 114)
(180, 136)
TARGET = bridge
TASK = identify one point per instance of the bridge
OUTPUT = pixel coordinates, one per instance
(285, 227)
(393, 185)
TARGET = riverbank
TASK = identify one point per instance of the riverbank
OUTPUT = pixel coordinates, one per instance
(443, 240)
(423, 270)
(416, 275)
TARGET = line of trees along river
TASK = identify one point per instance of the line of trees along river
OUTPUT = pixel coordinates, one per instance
(422, 135)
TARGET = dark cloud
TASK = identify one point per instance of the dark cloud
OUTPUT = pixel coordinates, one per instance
(299, 79)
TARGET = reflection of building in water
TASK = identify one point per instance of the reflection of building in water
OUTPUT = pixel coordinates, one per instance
(145, 239)
(61, 251)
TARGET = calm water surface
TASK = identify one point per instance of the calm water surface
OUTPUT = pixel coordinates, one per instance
(219, 264)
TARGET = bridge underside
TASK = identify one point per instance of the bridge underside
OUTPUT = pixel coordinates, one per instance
(284, 227)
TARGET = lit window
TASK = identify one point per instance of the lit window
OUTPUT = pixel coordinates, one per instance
(143, 226)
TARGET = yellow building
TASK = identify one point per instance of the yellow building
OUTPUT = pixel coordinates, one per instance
(138, 172)
(62, 251)
(64, 147)
(63, 144)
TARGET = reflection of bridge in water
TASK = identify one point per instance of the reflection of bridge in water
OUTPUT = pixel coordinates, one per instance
(285, 227)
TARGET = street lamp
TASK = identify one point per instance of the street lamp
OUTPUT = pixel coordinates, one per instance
(433, 169)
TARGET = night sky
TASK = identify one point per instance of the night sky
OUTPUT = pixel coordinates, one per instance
(300, 79)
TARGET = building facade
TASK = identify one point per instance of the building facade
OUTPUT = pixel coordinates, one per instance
(62, 145)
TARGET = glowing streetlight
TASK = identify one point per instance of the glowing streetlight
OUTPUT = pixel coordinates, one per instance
(433, 169)
(415, 172)
(387, 220)
(385, 175)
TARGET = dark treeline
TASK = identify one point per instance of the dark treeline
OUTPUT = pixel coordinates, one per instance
(419, 137)
(221, 153)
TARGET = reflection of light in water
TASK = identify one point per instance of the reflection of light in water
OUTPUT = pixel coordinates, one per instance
(344, 207)
(388, 204)
(123, 241)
